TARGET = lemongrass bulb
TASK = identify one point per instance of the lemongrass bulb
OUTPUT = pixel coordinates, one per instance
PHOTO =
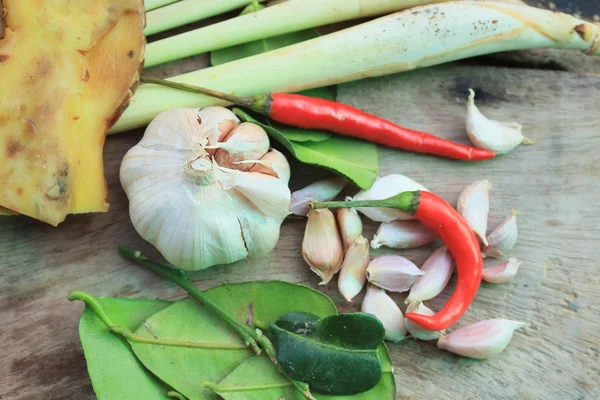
(383, 188)
(402, 235)
(353, 271)
(437, 270)
(322, 246)
(393, 273)
(247, 141)
(480, 340)
(379, 304)
(350, 226)
(324, 190)
(416, 330)
(474, 206)
(194, 211)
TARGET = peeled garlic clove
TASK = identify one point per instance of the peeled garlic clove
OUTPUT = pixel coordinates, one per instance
(437, 270)
(273, 163)
(194, 211)
(474, 206)
(499, 137)
(503, 238)
(350, 226)
(502, 272)
(379, 304)
(384, 188)
(322, 247)
(248, 141)
(393, 273)
(416, 330)
(480, 340)
(402, 235)
(216, 124)
(324, 190)
(353, 272)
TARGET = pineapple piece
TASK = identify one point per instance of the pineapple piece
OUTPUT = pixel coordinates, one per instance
(67, 68)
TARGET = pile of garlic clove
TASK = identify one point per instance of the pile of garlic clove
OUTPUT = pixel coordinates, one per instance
(205, 189)
(335, 243)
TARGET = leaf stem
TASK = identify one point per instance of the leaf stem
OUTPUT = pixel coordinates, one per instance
(175, 395)
(130, 336)
(93, 302)
(405, 201)
(247, 334)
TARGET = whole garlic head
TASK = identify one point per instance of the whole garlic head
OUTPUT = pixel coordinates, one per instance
(196, 212)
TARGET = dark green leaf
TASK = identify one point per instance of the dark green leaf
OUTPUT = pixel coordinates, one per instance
(114, 370)
(339, 357)
(300, 135)
(355, 159)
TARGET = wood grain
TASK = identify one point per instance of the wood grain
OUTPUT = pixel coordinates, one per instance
(554, 185)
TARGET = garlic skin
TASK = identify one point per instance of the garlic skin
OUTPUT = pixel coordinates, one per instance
(437, 271)
(501, 272)
(416, 330)
(402, 235)
(481, 340)
(499, 137)
(503, 238)
(325, 190)
(273, 163)
(474, 206)
(322, 245)
(350, 226)
(194, 211)
(393, 273)
(247, 141)
(379, 304)
(383, 188)
(353, 271)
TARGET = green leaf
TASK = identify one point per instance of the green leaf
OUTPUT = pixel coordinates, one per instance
(114, 370)
(195, 342)
(300, 135)
(337, 355)
(355, 159)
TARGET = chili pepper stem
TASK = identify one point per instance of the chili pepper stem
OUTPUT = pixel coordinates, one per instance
(247, 334)
(259, 103)
(405, 201)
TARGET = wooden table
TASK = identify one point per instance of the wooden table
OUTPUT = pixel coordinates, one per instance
(555, 186)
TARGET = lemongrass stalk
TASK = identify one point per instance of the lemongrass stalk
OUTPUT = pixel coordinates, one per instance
(154, 4)
(415, 38)
(187, 11)
(290, 16)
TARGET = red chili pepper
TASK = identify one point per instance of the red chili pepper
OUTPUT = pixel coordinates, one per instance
(314, 113)
(456, 234)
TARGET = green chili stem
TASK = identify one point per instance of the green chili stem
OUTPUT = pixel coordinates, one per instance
(406, 201)
(247, 334)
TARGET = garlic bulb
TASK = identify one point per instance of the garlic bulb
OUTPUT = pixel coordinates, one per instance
(350, 226)
(474, 205)
(499, 137)
(324, 190)
(378, 303)
(196, 212)
(354, 267)
(383, 188)
(503, 238)
(393, 273)
(322, 247)
(502, 272)
(437, 270)
(402, 235)
(415, 330)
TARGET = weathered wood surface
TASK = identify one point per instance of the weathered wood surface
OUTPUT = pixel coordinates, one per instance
(554, 184)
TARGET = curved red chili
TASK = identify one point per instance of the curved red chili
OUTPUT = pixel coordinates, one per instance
(456, 234)
(314, 113)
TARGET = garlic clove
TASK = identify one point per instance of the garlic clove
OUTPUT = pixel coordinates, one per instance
(273, 163)
(247, 141)
(416, 330)
(474, 206)
(324, 190)
(503, 238)
(499, 137)
(216, 123)
(322, 246)
(393, 273)
(481, 340)
(501, 272)
(350, 226)
(353, 271)
(437, 270)
(379, 304)
(402, 235)
(384, 188)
